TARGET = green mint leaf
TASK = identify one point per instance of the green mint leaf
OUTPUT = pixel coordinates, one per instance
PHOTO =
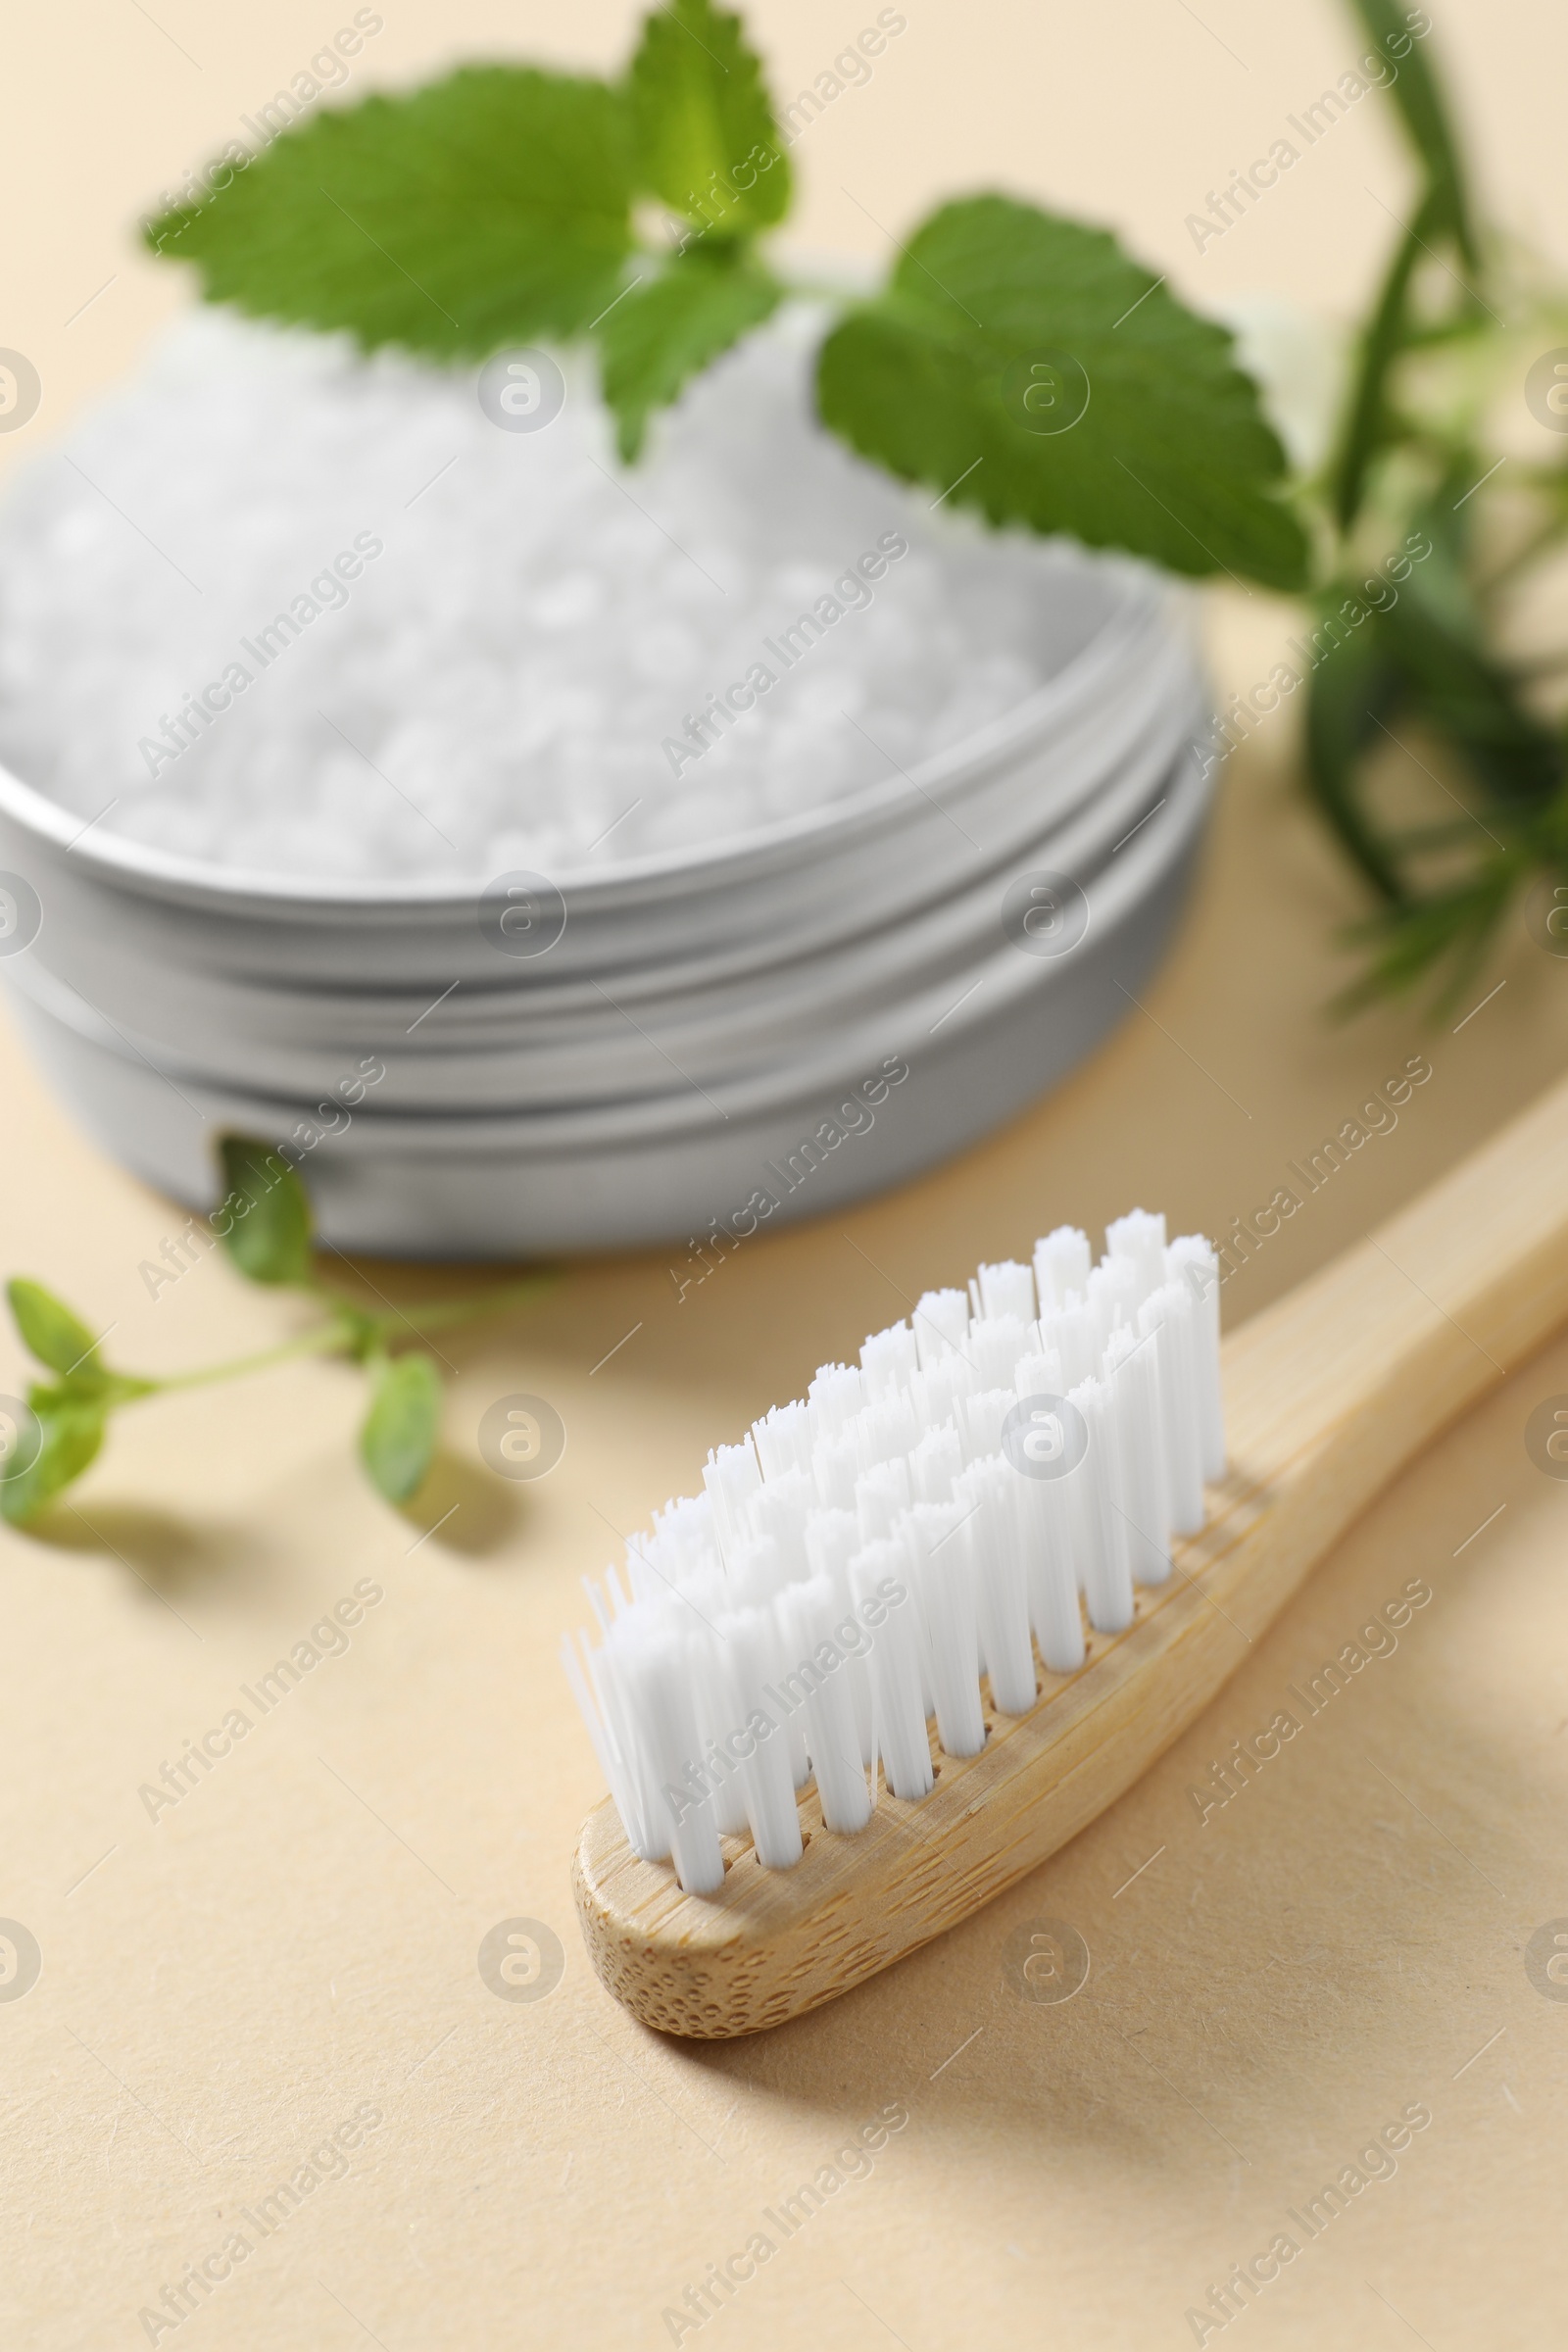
(669, 327)
(484, 209)
(998, 317)
(706, 139)
(398, 1441)
(69, 1431)
(1417, 94)
(52, 1334)
(264, 1220)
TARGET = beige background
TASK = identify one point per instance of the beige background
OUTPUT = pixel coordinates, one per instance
(224, 1988)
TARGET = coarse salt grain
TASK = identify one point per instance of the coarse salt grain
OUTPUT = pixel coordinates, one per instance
(508, 679)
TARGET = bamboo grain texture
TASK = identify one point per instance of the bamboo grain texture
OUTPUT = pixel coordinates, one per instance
(1328, 1394)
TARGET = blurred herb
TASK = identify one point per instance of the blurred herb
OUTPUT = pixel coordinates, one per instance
(263, 1222)
(1455, 325)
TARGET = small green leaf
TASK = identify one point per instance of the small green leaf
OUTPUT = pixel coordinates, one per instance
(399, 1437)
(704, 137)
(51, 1331)
(71, 1428)
(484, 209)
(994, 311)
(264, 1220)
(672, 325)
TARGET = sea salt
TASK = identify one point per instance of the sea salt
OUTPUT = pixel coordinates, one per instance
(429, 647)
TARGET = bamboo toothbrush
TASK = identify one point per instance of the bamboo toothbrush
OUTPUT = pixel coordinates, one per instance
(998, 1523)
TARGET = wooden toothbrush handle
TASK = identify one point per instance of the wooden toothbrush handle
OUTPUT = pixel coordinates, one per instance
(1328, 1394)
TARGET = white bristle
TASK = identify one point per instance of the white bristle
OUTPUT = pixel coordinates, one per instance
(1106, 1565)
(934, 1396)
(835, 1466)
(817, 1640)
(1007, 1290)
(717, 1767)
(748, 1661)
(1138, 1240)
(993, 1346)
(658, 1687)
(983, 1417)
(1072, 1330)
(941, 1322)
(1061, 1264)
(1114, 1299)
(882, 1496)
(885, 1430)
(1132, 1369)
(783, 1439)
(832, 1538)
(755, 1568)
(879, 1579)
(1168, 1314)
(645, 1571)
(1038, 1374)
(779, 1508)
(602, 1614)
(687, 1535)
(731, 1476)
(935, 1463)
(836, 1395)
(990, 1534)
(859, 1560)
(887, 1359)
(945, 1589)
(1190, 1260)
(1048, 1517)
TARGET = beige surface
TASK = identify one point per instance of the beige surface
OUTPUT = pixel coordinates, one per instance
(299, 1935)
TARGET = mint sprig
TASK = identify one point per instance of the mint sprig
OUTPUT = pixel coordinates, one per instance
(498, 205)
(1025, 367)
(265, 1225)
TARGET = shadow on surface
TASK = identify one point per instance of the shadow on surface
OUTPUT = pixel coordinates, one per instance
(164, 1552)
(474, 1511)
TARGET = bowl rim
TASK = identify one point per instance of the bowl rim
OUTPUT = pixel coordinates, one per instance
(1159, 845)
(1145, 606)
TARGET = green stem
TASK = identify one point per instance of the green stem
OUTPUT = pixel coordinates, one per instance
(814, 289)
(338, 1335)
(320, 1342)
(448, 1312)
(1367, 421)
